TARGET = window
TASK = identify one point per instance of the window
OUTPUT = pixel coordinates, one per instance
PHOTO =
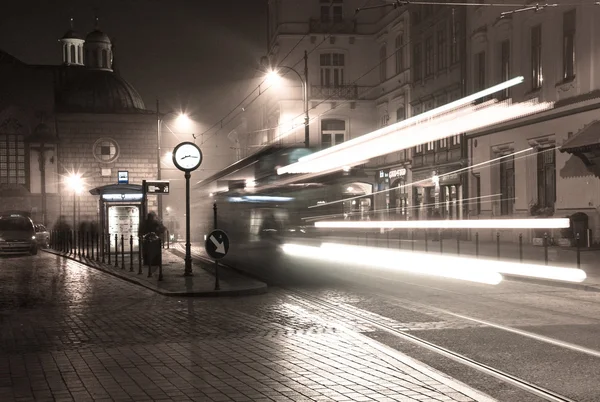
(73, 57)
(400, 114)
(455, 37)
(505, 66)
(428, 56)
(430, 146)
(105, 58)
(569, 45)
(546, 177)
(384, 120)
(443, 143)
(399, 53)
(417, 66)
(333, 132)
(455, 140)
(12, 159)
(331, 11)
(419, 149)
(507, 185)
(479, 71)
(382, 64)
(442, 57)
(332, 69)
(536, 57)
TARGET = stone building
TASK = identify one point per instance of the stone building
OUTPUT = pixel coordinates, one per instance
(80, 117)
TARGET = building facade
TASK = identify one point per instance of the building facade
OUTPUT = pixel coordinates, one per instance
(81, 117)
(557, 53)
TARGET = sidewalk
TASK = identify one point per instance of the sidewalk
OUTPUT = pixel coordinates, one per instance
(173, 283)
(557, 256)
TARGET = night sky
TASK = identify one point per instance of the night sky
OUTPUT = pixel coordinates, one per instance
(186, 53)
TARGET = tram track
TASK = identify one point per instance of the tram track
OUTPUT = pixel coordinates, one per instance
(521, 383)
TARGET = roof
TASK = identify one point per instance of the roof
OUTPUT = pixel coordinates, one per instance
(81, 90)
(72, 34)
(117, 189)
(97, 36)
(6, 58)
(587, 138)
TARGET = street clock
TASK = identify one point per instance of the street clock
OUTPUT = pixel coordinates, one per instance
(187, 156)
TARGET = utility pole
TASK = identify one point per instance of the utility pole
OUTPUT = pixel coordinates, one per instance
(158, 134)
(306, 119)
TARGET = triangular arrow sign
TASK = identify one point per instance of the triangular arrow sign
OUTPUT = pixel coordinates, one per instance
(220, 247)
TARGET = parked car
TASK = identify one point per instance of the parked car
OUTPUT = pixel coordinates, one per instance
(42, 236)
(17, 234)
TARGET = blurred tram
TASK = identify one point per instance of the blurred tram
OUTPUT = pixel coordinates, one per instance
(259, 209)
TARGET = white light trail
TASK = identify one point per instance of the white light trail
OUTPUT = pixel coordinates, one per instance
(423, 261)
(549, 223)
(464, 120)
(393, 260)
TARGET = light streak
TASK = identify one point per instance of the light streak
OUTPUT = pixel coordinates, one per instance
(424, 260)
(550, 223)
(443, 127)
(392, 260)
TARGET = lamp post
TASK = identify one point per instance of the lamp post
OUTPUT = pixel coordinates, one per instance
(182, 119)
(75, 182)
(273, 74)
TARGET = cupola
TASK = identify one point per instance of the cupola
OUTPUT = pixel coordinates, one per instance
(72, 47)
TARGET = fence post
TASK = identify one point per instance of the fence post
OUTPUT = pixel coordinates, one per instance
(578, 251)
(441, 241)
(546, 248)
(108, 246)
(458, 242)
(160, 274)
(130, 253)
(122, 252)
(92, 234)
(139, 255)
(97, 234)
(520, 247)
(116, 250)
(87, 244)
(168, 240)
(498, 244)
(476, 244)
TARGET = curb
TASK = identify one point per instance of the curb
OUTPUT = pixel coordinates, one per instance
(210, 293)
(550, 282)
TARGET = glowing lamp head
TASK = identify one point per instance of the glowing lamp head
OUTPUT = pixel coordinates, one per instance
(183, 121)
(272, 78)
(74, 182)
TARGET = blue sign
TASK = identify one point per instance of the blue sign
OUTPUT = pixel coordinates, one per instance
(123, 177)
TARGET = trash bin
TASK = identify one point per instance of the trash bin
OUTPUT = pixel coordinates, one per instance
(152, 253)
(579, 222)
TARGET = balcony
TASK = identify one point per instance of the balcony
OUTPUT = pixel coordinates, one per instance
(344, 92)
(332, 27)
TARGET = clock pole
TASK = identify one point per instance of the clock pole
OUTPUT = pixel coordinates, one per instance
(188, 251)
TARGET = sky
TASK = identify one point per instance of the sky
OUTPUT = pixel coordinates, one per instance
(186, 53)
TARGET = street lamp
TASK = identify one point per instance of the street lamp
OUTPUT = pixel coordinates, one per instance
(182, 121)
(75, 183)
(273, 77)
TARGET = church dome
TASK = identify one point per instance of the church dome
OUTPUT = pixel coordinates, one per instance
(95, 91)
(97, 36)
(71, 34)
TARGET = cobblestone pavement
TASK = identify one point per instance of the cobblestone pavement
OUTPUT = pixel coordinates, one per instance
(72, 333)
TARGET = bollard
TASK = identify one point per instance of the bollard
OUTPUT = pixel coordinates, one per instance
(412, 235)
(441, 242)
(116, 250)
(108, 246)
(97, 246)
(498, 244)
(130, 253)
(476, 244)
(122, 253)
(160, 274)
(520, 247)
(139, 255)
(87, 244)
(578, 251)
(546, 248)
(102, 248)
(168, 240)
(426, 241)
(92, 241)
(458, 242)
(80, 237)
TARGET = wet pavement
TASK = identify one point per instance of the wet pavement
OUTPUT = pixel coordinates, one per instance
(74, 333)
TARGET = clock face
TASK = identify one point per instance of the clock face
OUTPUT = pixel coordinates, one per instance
(187, 156)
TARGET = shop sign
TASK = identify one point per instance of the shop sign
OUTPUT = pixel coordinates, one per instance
(397, 173)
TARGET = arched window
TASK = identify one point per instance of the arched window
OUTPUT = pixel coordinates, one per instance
(13, 169)
(382, 64)
(333, 132)
(80, 54)
(73, 58)
(105, 58)
(399, 53)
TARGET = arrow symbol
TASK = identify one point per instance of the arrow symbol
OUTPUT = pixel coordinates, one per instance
(220, 248)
